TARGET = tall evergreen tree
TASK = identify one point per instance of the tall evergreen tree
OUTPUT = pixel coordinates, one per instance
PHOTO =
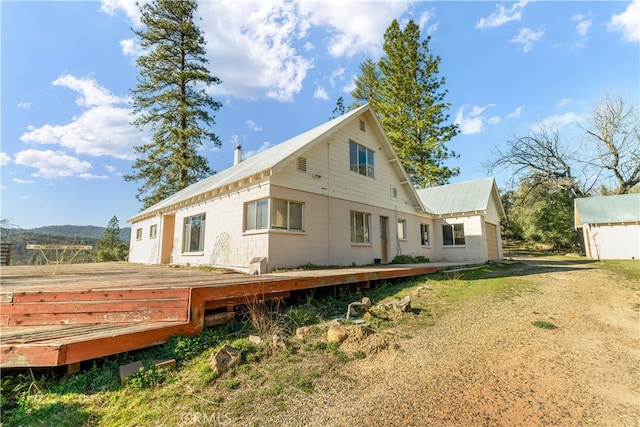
(406, 91)
(171, 100)
(110, 247)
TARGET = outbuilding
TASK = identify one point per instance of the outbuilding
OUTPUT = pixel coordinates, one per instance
(610, 226)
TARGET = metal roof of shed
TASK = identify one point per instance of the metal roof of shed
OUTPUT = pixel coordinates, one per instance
(468, 196)
(607, 209)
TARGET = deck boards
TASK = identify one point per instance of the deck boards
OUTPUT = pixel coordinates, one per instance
(86, 311)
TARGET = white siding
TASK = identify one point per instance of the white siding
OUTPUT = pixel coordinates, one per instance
(619, 241)
(147, 249)
(327, 236)
(328, 172)
(475, 247)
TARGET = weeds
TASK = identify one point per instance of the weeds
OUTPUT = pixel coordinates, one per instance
(544, 325)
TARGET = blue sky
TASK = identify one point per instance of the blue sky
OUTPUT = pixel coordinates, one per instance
(67, 69)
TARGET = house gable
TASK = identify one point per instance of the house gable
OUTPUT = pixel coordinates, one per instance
(464, 198)
(327, 168)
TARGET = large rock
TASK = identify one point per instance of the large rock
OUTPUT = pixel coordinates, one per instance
(356, 309)
(403, 305)
(337, 333)
(367, 302)
(227, 358)
(303, 332)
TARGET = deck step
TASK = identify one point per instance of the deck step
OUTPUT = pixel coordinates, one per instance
(90, 307)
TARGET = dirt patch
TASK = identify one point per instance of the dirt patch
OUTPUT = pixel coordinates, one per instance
(486, 364)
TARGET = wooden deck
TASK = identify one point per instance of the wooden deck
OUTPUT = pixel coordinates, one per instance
(87, 311)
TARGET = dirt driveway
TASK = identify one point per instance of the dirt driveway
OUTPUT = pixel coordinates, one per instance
(485, 364)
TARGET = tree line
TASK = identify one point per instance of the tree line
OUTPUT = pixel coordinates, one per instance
(109, 247)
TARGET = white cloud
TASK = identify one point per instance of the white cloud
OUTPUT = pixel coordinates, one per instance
(255, 43)
(103, 129)
(25, 105)
(494, 120)
(54, 164)
(253, 125)
(110, 168)
(473, 121)
(584, 23)
(4, 158)
(320, 93)
(627, 22)
(91, 93)
(355, 27)
(129, 7)
(21, 181)
(558, 121)
(516, 113)
(336, 75)
(131, 47)
(265, 146)
(528, 37)
(564, 101)
(3, 187)
(264, 45)
(424, 19)
(502, 15)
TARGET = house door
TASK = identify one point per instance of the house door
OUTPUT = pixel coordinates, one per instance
(384, 225)
(168, 228)
(492, 240)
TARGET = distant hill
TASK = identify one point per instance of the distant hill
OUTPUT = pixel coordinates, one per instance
(91, 231)
(57, 234)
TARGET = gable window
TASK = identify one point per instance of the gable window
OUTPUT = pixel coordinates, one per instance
(273, 213)
(361, 159)
(424, 234)
(139, 234)
(153, 231)
(360, 227)
(193, 233)
(402, 229)
(453, 234)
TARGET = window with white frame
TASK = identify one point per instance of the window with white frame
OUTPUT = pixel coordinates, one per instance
(273, 213)
(361, 159)
(453, 234)
(256, 215)
(286, 215)
(139, 234)
(153, 231)
(360, 227)
(193, 233)
(424, 234)
(402, 229)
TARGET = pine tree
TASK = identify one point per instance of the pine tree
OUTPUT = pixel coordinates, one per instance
(407, 93)
(110, 247)
(171, 100)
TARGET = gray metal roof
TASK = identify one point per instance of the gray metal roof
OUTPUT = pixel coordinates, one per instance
(261, 162)
(607, 209)
(468, 196)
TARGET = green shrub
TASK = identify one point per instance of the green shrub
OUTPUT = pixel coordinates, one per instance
(409, 259)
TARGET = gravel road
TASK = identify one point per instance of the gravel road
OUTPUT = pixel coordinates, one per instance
(485, 364)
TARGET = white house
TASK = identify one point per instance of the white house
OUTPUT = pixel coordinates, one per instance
(467, 217)
(610, 226)
(334, 195)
